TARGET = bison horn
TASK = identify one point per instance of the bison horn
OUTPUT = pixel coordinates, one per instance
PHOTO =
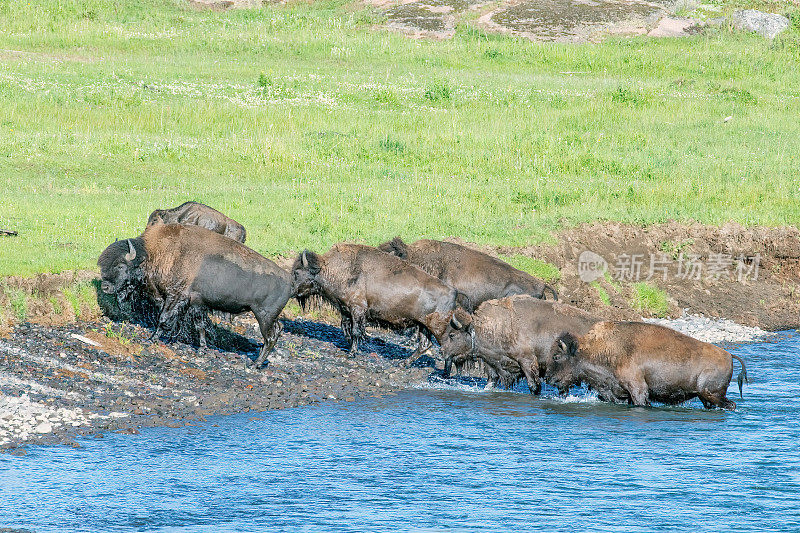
(304, 260)
(563, 346)
(454, 322)
(131, 255)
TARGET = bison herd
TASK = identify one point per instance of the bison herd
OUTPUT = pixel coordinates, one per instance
(192, 259)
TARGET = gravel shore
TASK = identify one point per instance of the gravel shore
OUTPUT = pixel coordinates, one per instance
(58, 383)
(88, 378)
(714, 330)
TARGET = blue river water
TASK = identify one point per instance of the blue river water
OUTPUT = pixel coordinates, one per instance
(439, 459)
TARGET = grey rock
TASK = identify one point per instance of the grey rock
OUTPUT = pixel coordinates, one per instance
(768, 25)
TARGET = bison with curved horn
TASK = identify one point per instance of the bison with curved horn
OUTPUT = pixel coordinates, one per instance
(513, 336)
(366, 286)
(189, 270)
(197, 214)
(637, 363)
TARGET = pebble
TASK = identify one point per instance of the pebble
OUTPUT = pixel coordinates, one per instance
(713, 330)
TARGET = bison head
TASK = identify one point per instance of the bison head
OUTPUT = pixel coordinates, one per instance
(305, 277)
(120, 267)
(395, 247)
(458, 343)
(156, 217)
(564, 371)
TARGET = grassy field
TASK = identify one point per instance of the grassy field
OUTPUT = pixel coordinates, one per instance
(309, 126)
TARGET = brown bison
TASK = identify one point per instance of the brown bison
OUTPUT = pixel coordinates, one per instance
(636, 362)
(513, 336)
(189, 270)
(479, 276)
(368, 286)
(197, 214)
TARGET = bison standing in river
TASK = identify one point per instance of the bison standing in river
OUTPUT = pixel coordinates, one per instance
(189, 270)
(513, 336)
(478, 275)
(197, 214)
(636, 362)
(366, 285)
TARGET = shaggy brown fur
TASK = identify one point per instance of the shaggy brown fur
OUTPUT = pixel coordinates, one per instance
(639, 362)
(478, 275)
(197, 214)
(513, 336)
(368, 286)
(189, 270)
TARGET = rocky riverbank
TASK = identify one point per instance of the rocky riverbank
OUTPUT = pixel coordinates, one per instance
(58, 383)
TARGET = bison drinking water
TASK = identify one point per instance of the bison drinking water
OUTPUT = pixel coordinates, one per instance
(368, 286)
(481, 277)
(513, 336)
(638, 363)
(197, 214)
(189, 270)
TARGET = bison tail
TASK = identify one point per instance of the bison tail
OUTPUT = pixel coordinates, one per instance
(552, 291)
(464, 301)
(742, 379)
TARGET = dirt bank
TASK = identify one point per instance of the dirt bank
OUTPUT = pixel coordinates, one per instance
(748, 275)
(67, 371)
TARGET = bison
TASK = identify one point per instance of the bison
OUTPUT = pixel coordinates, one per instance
(479, 276)
(513, 336)
(197, 214)
(636, 362)
(189, 270)
(367, 286)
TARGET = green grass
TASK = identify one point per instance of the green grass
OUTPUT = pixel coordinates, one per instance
(57, 308)
(675, 249)
(310, 127)
(19, 304)
(601, 292)
(535, 267)
(649, 299)
(71, 295)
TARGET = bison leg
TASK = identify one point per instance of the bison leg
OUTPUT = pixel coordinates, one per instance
(716, 399)
(491, 381)
(424, 340)
(531, 372)
(448, 366)
(638, 393)
(359, 320)
(347, 328)
(168, 315)
(198, 317)
(271, 329)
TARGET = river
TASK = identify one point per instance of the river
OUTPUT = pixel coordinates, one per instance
(438, 458)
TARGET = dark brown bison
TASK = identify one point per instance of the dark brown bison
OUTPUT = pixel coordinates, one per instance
(479, 276)
(197, 214)
(513, 336)
(636, 362)
(368, 286)
(189, 270)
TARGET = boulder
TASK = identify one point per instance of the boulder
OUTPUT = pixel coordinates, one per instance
(768, 25)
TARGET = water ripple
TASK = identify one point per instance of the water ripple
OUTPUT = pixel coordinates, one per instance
(445, 456)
